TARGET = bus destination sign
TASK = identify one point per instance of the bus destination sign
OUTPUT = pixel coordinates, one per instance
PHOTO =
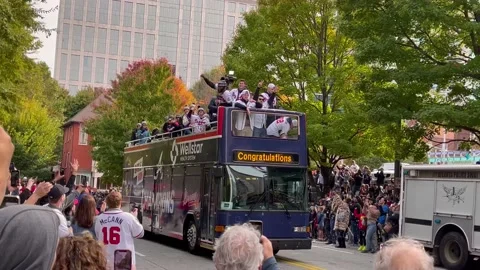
(265, 157)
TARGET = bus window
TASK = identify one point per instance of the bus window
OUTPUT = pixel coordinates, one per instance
(270, 188)
(264, 125)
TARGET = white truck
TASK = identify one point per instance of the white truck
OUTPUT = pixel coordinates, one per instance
(441, 208)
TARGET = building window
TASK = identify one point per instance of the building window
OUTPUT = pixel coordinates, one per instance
(152, 17)
(232, 6)
(83, 139)
(65, 35)
(116, 5)
(78, 10)
(127, 14)
(87, 69)
(74, 67)
(242, 8)
(138, 45)
(63, 66)
(103, 13)
(77, 37)
(123, 65)
(114, 42)
(99, 69)
(68, 9)
(89, 39)
(140, 16)
(126, 37)
(73, 89)
(150, 46)
(112, 69)
(91, 10)
(102, 40)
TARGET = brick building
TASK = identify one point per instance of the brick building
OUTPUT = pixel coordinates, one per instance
(76, 144)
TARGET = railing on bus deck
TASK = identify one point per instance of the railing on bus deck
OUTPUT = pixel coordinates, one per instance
(169, 135)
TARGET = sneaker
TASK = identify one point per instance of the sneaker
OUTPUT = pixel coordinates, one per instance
(363, 248)
(360, 248)
(365, 251)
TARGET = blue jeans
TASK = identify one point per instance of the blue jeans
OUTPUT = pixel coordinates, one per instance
(371, 236)
(355, 232)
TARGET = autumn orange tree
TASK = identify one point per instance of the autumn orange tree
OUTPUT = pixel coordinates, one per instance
(146, 90)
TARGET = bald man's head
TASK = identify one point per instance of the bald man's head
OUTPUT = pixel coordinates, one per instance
(403, 254)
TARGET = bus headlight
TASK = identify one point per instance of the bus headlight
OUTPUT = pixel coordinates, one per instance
(300, 229)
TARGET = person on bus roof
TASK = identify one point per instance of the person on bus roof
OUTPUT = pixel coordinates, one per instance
(280, 127)
(186, 118)
(200, 122)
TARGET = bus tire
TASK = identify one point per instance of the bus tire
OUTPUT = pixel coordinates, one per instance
(453, 251)
(191, 237)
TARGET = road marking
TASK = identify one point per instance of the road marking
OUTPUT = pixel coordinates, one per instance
(299, 264)
(139, 254)
(341, 251)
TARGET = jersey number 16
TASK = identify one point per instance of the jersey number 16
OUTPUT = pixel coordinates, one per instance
(111, 236)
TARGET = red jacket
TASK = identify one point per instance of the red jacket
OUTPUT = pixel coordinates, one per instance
(360, 217)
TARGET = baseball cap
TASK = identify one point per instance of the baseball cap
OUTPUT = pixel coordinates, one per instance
(201, 109)
(56, 192)
(271, 85)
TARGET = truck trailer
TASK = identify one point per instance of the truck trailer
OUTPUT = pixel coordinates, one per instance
(441, 209)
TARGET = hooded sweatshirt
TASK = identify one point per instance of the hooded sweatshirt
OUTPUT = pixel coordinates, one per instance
(28, 237)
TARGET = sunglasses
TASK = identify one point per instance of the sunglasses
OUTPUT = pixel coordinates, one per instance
(261, 99)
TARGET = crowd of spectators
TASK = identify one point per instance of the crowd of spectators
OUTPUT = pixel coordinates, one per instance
(371, 205)
(196, 119)
(69, 223)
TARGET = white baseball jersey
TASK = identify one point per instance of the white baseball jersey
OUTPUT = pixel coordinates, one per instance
(278, 127)
(116, 230)
(199, 124)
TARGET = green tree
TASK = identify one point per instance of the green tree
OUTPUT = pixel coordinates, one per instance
(19, 22)
(422, 55)
(35, 136)
(83, 97)
(201, 91)
(144, 91)
(296, 45)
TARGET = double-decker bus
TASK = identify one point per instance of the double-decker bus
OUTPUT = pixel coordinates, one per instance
(193, 187)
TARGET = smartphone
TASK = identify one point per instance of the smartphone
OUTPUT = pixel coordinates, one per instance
(14, 177)
(257, 225)
(122, 259)
(10, 200)
(62, 171)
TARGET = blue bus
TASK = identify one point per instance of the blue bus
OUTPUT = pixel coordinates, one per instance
(193, 187)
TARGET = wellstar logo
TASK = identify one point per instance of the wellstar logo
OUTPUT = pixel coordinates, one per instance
(191, 148)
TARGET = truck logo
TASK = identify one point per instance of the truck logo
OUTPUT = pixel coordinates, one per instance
(454, 194)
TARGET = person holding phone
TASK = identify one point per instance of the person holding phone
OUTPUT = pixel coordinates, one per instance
(117, 230)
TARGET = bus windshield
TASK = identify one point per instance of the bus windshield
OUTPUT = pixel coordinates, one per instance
(267, 188)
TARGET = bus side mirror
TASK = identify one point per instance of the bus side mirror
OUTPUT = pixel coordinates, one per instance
(218, 172)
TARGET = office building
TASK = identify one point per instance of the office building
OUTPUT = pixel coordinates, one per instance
(97, 39)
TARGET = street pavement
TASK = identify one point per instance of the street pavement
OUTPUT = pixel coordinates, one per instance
(156, 252)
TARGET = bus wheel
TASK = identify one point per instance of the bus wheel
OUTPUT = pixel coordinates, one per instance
(453, 251)
(191, 237)
(275, 251)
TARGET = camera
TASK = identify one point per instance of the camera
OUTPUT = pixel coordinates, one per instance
(230, 77)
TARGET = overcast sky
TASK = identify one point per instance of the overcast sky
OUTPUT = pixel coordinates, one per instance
(47, 52)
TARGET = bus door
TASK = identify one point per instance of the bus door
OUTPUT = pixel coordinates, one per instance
(209, 204)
